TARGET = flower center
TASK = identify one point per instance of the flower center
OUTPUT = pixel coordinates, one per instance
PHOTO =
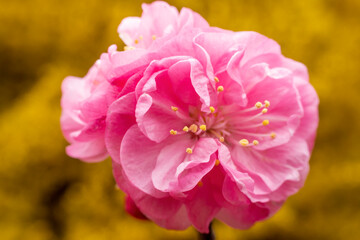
(229, 124)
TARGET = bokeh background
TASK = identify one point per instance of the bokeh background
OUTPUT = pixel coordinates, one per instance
(46, 195)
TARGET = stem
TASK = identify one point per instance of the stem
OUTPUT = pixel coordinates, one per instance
(207, 236)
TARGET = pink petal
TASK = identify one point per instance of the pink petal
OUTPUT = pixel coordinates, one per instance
(242, 216)
(70, 122)
(179, 75)
(133, 210)
(284, 112)
(310, 102)
(128, 29)
(178, 221)
(189, 76)
(139, 165)
(158, 19)
(202, 207)
(184, 171)
(90, 151)
(93, 129)
(256, 45)
(120, 66)
(169, 158)
(190, 19)
(272, 167)
(156, 120)
(73, 91)
(96, 104)
(165, 211)
(119, 119)
(197, 165)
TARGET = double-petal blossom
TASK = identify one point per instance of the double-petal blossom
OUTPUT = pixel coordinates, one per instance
(200, 122)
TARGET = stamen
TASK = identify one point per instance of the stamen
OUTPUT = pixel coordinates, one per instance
(255, 142)
(244, 142)
(216, 79)
(185, 129)
(265, 122)
(252, 134)
(240, 127)
(217, 162)
(189, 150)
(174, 108)
(212, 109)
(200, 184)
(258, 105)
(267, 103)
(220, 88)
(264, 110)
(153, 37)
(173, 132)
(273, 135)
(203, 127)
(193, 128)
(136, 41)
(221, 139)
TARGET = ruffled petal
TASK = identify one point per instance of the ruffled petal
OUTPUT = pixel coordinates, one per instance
(119, 119)
(185, 170)
(164, 211)
(272, 167)
(139, 165)
(158, 19)
(196, 165)
(90, 151)
(242, 216)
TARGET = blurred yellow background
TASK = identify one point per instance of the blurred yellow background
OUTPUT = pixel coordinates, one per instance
(46, 195)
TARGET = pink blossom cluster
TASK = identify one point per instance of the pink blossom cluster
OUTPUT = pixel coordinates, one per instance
(201, 123)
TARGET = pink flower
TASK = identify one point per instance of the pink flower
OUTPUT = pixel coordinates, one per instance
(200, 123)
(84, 103)
(214, 124)
(159, 20)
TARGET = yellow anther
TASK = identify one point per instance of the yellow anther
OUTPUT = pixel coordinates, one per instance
(267, 103)
(221, 139)
(264, 110)
(185, 129)
(189, 150)
(173, 132)
(216, 79)
(265, 122)
(203, 127)
(153, 37)
(217, 162)
(220, 88)
(258, 105)
(255, 142)
(273, 135)
(141, 37)
(244, 142)
(200, 184)
(174, 108)
(136, 41)
(212, 109)
(193, 128)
